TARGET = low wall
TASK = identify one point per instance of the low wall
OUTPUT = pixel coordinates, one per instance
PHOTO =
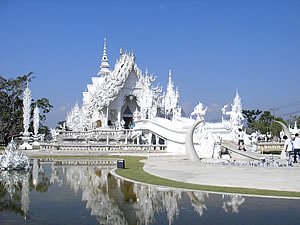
(101, 148)
(270, 147)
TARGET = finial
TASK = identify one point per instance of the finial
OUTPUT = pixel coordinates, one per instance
(170, 76)
(133, 55)
(236, 92)
(121, 51)
(104, 66)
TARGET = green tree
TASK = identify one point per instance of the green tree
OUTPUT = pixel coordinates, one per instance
(45, 107)
(60, 124)
(265, 124)
(251, 116)
(11, 105)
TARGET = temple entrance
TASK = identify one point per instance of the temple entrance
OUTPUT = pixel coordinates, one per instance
(127, 117)
(128, 122)
(128, 109)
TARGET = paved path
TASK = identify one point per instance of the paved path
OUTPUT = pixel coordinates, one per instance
(180, 169)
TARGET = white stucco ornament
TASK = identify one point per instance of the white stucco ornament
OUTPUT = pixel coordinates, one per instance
(26, 119)
(26, 110)
(199, 112)
(36, 120)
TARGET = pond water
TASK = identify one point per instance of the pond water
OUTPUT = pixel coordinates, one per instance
(63, 192)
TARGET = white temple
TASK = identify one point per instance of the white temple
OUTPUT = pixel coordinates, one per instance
(119, 97)
(124, 99)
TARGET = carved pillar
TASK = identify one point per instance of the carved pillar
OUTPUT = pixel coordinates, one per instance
(119, 120)
(157, 139)
(106, 122)
(150, 138)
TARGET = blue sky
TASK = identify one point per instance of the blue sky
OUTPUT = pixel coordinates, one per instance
(212, 48)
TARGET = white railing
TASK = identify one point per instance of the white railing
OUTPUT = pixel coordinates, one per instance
(107, 140)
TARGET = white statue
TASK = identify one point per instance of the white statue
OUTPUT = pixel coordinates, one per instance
(123, 124)
(199, 112)
(236, 116)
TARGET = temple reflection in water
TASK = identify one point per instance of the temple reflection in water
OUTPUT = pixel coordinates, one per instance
(109, 199)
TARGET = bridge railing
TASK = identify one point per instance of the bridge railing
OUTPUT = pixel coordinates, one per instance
(107, 140)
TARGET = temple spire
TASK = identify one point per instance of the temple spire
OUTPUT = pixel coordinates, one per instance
(104, 67)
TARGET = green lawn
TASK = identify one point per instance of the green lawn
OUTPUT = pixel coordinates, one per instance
(134, 171)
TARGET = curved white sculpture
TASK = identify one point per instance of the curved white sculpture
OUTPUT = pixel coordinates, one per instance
(285, 129)
(189, 145)
(287, 133)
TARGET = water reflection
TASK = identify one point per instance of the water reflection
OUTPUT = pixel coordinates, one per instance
(233, 203)
(198, 201)
(109, 200)
(14, 191)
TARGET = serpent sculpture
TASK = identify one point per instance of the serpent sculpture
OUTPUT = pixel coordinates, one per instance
(285, 129)
(189, 145)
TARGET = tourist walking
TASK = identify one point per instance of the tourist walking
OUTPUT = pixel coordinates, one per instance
(288, 148)
(241, 142)
(296, 148)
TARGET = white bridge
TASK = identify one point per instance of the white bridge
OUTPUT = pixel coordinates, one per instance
(106, 140)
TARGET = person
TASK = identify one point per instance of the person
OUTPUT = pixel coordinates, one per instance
(288, 148)
(296, 148)
(241, 142)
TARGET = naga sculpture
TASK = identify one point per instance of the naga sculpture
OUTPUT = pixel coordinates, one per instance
(189, 145)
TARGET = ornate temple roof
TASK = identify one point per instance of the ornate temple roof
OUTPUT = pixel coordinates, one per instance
(105, 89)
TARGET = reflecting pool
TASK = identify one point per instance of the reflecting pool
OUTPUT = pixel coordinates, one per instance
(84, 192)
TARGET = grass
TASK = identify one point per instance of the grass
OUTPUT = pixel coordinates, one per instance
(134, 171)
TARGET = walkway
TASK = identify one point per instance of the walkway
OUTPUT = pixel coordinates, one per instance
(180, 169)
